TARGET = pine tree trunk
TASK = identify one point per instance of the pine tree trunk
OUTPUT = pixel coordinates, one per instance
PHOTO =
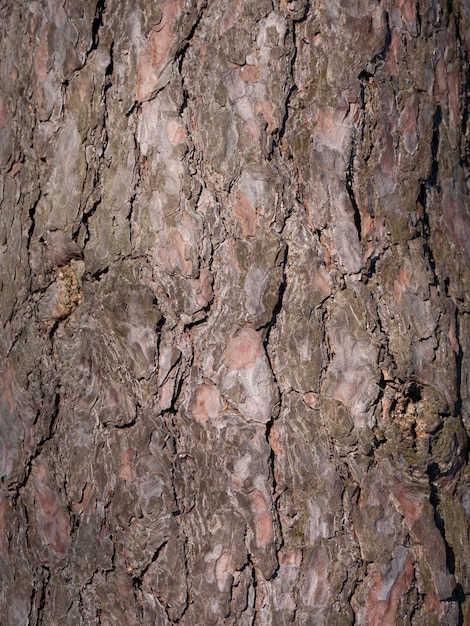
(234, 283)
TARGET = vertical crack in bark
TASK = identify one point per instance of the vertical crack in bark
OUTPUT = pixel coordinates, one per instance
(187, 576)
(97, 24)
(43, 596)
(378, 59)
(254, 584)
(275, 138)
(464, 96)
(458, 406)
(137, 578)
(32, 218)
(272, 457)
(426, 185)
(179, 56)
(350, 186)
(436, 123)
(18, 485)
(433, 472)
(278, 306)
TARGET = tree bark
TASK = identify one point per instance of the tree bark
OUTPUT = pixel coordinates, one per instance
(234, 300)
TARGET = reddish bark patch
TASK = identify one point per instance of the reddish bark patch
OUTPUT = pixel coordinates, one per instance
(127, 466)
(275, 441)
(173, 254)
(205, 404)
(243, 349)
(266, 109)
(40, 59)
(204, 292)
(400, 283)
(175, 132)
(407, 9)
(224, 570)
(79, 507)
(15, 168)
(154, 57)
(440, 78)
(384, 612)
(231, 15)
(85, 87)
(410, 507)
(391, 64)
(249, 73)
(387, 155)
(262, 517)
(409, 115)
(246, 213)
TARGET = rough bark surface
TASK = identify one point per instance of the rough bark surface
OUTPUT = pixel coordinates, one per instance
(248, 402)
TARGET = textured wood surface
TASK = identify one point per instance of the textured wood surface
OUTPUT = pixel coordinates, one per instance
(248, 402)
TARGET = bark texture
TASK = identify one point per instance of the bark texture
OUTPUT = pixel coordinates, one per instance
(248, 402)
